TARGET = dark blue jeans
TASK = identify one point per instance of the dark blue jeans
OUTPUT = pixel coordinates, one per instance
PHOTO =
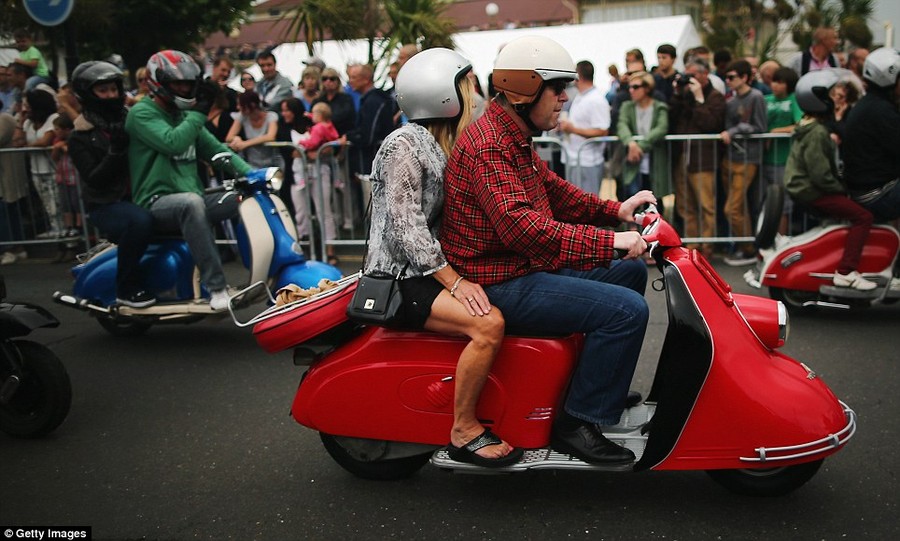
(886, 207)
(607, 305)
(130, 227)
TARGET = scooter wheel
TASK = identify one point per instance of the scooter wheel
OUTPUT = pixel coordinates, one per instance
(123, 328)
(793, 299)
(770, 217)
(766, 482)
(362, 460)
(43, 397)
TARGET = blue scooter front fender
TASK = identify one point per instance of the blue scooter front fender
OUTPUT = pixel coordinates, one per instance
(306, 274)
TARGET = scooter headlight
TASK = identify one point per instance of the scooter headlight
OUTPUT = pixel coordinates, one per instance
(275, 178)
(768, 319)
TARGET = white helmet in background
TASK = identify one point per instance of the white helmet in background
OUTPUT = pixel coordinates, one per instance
(525, 64)
(427, 85)
(882, 67)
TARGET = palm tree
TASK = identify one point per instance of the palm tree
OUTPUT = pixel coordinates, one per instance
(318, 20)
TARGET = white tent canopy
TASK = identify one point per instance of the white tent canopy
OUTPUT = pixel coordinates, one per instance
(601, 43)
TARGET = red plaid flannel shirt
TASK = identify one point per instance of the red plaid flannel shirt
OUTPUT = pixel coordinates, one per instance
(506, 214)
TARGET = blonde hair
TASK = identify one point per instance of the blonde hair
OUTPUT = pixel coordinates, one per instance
(446, 132)
(311, 71)
(323, 109)
(645, 78)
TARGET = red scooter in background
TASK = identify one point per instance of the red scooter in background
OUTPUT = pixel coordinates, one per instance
(799, 270)
(723, 398)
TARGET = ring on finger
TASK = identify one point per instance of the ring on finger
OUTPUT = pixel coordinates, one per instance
(470, 299)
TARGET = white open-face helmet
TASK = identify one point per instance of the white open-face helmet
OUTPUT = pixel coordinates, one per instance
(525, 64)
(882, 67)
(427, 85)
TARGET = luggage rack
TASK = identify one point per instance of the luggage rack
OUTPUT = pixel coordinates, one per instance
(274, 311)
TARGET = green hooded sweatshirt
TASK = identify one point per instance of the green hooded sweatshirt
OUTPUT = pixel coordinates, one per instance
(163, 149)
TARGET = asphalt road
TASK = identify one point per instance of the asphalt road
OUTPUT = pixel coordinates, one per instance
(184, 433)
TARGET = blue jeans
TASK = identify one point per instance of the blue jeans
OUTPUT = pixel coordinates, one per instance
(607, 305)
(193, 215)
(130, 227)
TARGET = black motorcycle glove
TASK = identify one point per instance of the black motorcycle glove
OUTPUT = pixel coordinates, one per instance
(118, 140)
(206, 96)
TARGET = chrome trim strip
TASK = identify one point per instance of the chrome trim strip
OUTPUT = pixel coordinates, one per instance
(832, 441)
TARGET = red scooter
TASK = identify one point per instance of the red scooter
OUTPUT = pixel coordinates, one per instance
(799, 270)
(723, 399)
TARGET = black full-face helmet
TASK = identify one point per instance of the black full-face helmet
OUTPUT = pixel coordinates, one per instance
(166, 67)
(89, 74)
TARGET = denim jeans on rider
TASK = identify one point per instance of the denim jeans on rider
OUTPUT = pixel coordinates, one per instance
(607, 305)
(886, 207)
(130, 227)
(194, 215)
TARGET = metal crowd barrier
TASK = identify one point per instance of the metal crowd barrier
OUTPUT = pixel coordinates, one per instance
(763, 175)
(31, 211)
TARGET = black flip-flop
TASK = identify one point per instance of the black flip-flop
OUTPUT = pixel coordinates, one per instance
(467, 453)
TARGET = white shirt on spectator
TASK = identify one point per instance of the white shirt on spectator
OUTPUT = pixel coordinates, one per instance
(589, 110)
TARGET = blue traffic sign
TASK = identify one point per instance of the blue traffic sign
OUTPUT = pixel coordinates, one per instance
(49, 12)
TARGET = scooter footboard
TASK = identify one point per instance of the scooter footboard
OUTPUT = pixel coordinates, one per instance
(400, 386)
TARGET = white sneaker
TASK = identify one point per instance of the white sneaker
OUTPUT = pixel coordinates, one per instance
(51, 234)
(854, 281)
(218, 300)
(895, 284)
(8, 258)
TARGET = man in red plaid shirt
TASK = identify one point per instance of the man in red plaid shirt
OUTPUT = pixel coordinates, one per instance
(535, 242)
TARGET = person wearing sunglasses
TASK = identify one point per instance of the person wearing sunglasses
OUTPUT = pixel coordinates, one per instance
(647, 160)
(343, 112)
(248, 82)
(541, 249)
(588, 117)
(745, 114)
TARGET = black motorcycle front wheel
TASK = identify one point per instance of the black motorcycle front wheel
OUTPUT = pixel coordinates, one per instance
(767, 481)
(43, 396)
(363, 459)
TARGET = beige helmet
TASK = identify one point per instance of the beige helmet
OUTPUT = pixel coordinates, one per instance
(526, 63)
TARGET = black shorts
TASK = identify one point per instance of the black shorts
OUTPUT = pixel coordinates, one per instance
(418, 293)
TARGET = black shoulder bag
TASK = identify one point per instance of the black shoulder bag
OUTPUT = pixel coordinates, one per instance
(377, 298)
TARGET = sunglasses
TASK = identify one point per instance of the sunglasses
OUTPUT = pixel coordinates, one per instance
(245, 79)
(142, 80)
(558, 86)
(331, 79)
(636, 87)
(731, 76)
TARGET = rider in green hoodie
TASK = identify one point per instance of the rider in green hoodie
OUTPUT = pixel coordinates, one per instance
(166, 139)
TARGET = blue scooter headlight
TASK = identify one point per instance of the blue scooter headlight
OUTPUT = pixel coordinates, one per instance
(275, 177)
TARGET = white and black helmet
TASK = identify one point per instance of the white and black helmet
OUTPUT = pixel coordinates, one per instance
(525, 64)
(813, 88)
(882, 67)
(427, 85)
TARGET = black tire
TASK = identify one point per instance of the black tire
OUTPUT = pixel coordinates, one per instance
(364, 462)
(43, 397)
(770, 218)
(766, 482)
(125, 328)
(794, 299)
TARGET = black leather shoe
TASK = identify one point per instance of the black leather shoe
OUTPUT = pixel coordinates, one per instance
(590, 445)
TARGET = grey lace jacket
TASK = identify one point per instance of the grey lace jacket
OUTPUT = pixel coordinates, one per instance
(407, 199)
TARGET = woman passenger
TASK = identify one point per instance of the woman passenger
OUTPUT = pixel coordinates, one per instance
(407, 198)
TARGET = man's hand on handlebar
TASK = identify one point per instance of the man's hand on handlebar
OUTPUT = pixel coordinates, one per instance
(628, 208)
(631, 243)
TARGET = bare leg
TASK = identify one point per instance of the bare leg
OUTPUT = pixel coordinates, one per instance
(448, 316)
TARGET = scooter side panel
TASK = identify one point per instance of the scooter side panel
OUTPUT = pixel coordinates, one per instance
(398, 386)
(794, 265)
(751, 398)
(167, 269)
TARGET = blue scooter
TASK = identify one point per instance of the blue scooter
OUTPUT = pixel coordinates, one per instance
(267, 243)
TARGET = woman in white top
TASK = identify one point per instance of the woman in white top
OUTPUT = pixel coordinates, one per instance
(40, 111)
(260, 127)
